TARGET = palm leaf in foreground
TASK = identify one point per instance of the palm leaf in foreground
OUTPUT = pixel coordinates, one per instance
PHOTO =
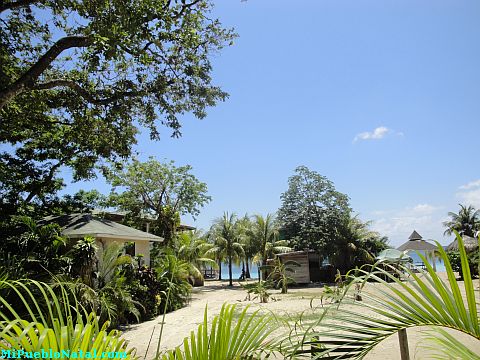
(229, 337)
(51, 321)
(423, 300)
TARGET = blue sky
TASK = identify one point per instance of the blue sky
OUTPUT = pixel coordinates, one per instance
(382, 97)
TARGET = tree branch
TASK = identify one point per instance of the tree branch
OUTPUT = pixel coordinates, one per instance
(27, 80)
(17, 4)
(92, 98)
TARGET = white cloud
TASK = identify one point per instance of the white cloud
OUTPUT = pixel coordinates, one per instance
(398, 224)
(470, 185)
(469, 194)
(424, 209)
(376, 134)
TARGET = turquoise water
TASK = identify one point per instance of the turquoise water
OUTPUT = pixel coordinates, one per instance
(416, 260)
(237, 271)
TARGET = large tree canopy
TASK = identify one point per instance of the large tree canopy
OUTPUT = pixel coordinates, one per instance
(78, 78)
(157, 191)
(312, 211)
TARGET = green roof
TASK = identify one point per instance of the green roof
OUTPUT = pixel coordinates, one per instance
(79, 225)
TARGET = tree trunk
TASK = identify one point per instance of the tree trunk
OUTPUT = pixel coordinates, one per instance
(219, 269)
(230, 280)
(264, 271)
(247, 270)
(29, 78)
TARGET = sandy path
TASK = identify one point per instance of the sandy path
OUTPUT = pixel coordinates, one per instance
(180, 323)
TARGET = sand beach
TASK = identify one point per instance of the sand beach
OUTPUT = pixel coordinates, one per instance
(214, 294)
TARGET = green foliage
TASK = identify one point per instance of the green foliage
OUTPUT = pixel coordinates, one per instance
(145, 288)
(227, 339)
(192, 247)
(160, 192)
(172, 275)
(79, 78)
(312, 211)
(264, 234)
(259, 289)
(278, 273)
(424, 300)
(109, 295)
(355, 244)
(226, 235)
(456, 263)
(465, 222)
(51, 320)
(84, 256)
(33, 250)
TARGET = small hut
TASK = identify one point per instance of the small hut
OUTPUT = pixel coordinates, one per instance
(470, 243)
(416, 243)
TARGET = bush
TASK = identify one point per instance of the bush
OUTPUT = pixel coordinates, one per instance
(473, 258)
(173, 275)
(146, 289)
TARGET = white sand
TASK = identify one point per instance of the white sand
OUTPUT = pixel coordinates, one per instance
(180, 323)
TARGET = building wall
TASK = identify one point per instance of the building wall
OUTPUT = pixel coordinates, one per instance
(141, 247)
(302, 273)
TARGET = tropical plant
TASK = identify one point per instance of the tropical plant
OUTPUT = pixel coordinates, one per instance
(33, 250)
(145, 288)
(52, 320)
(425, 300)
(265, 234)
(260, 289)
(465, 222)
(109, 295)
(191, 248)
(172, 275)
(231, 336)
(249, 244)
(84, 256)
(278, 273)
(455, 261)
(226, 241)
(356, 244)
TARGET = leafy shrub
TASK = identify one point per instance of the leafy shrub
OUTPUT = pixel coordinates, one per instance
(172, 275)
(145, 288)
(455, 261)
(260, 289)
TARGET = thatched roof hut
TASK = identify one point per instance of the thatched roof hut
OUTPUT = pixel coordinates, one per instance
(471, 244)
(416, 242)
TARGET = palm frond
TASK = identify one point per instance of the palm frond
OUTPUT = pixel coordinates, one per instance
(424, 300)
(227, 339)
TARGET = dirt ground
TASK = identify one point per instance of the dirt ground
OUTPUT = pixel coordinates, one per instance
(180, 323)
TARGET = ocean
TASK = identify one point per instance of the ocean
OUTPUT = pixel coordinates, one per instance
(237, 269)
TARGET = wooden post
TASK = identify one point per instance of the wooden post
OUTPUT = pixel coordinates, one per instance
(403, 340)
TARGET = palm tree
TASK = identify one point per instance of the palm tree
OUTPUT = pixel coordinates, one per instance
(466, 222)
(192, 248)
(426, 300)
(279, 273)
(226, 235)
(356, 244)
(265, 234)
(250, 246)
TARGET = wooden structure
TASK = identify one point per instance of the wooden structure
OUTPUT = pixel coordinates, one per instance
(470, 243)
(416, 243)
(310, 269)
